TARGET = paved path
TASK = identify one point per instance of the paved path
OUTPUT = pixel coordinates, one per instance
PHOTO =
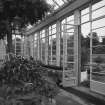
(65, 98)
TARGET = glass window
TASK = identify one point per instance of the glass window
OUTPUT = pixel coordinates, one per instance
(42, 44)
(98, 13)
(52, 45)
(85, 29)
(98, 23)
(85, 18)
(67, 37)
(85, 11)
(70, 18)
(98, 40)
(57, 3)
(98, 5)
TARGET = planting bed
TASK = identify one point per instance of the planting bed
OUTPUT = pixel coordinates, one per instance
(23, 82)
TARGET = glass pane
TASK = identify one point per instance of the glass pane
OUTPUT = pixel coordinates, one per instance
(70, 26)
(98, 50)
(50, 2)
(99, 4)
(99, 40)
(98, 77)
(70, 52)
(54, 31)
(98, 13)
(85, 11)
(70, 44)
(50, 38)
(70, 31)
(54, 44)
(70, 66)
(63, 21)
(43, 40)
(70, 58)
(85, 29)
(50, 32)
(70, 22)
(54, 26)
(85, 18)
(43, 35)
(60, 2)
(71, 37)
(98, 23)
(54, 37)
(43, 51)
(70, 18)
(100, 32)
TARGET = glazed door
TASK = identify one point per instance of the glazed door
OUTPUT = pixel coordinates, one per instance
(69, 71)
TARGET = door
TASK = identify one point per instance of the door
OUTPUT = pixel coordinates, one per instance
(69, 71)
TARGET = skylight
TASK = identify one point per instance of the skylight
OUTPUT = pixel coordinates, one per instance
(57, 3)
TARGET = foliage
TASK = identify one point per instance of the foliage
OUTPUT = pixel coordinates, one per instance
(99, 60)
(56, 75)
(85, 48)
(20, 13)
(99, 64)
(85, 45)
(3, 29)
(86, 83)
(24, 80)
(28, 11)
(100, 49)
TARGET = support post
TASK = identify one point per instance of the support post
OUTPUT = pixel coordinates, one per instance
(58, 28)
(77, 45)
(39, 47)
(25, 46)
(33, 46)
(46, 45)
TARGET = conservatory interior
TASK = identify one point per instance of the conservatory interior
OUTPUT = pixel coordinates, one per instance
(71, 39)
